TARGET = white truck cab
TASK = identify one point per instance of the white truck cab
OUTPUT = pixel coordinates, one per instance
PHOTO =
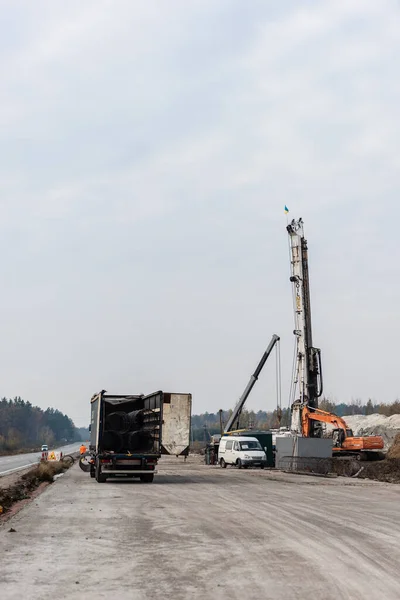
(241, 451)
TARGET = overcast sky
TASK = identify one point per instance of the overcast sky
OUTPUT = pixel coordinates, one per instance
(148, 148)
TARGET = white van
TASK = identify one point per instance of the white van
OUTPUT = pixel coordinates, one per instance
(241, 451)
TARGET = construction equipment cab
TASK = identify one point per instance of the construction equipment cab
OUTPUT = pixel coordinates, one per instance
(241, 452)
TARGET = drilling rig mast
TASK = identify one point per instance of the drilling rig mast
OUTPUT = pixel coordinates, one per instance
(308, 372)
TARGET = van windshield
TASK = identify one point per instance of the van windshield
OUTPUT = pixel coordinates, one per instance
(250, 445)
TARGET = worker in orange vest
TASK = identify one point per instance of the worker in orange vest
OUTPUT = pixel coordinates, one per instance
(82, 449)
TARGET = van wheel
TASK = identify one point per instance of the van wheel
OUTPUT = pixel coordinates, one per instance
(222, 463)
(239, 463)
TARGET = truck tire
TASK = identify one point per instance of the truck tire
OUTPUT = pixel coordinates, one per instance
(147, 478)
(222, 463)
(100, 478)
(84, 465)
(239, 463)
(92, 471)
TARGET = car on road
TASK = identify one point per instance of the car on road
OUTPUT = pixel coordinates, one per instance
(45, 448)
(241, 451)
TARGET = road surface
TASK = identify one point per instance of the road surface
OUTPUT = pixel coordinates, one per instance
(17, 462)
(202, 532)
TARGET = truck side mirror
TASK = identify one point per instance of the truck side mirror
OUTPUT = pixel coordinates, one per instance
(90, 427)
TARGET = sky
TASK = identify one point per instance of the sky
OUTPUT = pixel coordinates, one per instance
(147, 151)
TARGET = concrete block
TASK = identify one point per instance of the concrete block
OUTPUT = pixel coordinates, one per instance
(290, 448)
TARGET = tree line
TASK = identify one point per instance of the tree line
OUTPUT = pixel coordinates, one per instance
(207, 424)
(26, 427)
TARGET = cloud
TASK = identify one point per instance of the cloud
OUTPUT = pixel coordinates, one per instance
(147, 152)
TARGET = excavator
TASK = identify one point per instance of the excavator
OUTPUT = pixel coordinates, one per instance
(307, 418)
(344, 442)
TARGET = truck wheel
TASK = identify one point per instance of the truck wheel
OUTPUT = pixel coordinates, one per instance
(222, 463)
(148, 478)
(239, 463)
(100, 478)
(83, 463)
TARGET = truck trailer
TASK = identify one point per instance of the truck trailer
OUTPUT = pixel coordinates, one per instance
(130, 432)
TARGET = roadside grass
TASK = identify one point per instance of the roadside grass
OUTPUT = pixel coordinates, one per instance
(43, 472)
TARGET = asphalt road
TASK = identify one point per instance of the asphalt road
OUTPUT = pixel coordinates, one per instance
(11, 464)
(202, 532)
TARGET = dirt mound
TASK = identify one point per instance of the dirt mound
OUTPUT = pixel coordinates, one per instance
(394, 450)
(346, 467)
(384, 470)
(387, 470)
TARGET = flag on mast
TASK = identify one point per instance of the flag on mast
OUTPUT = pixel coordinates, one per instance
(286, 209)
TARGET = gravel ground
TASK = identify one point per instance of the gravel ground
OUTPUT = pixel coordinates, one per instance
(203, 532)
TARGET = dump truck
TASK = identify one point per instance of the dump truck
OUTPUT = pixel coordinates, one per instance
(130, 432)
